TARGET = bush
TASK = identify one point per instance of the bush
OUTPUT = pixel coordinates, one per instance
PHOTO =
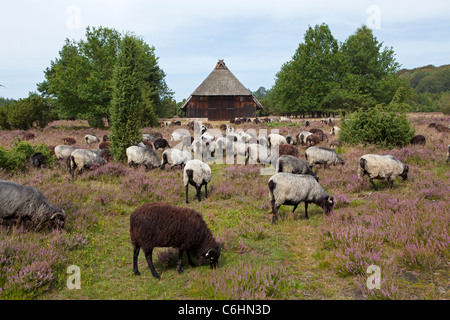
(17, 158)
(384, 126)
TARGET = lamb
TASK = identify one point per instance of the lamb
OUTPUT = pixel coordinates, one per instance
(291, 189)
(37, 160)
(175, 157)
(161, 144)
(90, 139)
(142, 156)
(82, 158)
(385, 167)
(63, 152)
(166, 225)
(290, 164)
(321, 155)
(320, 133)
(197, 174)
(335, 144)
(27, 205)
(418, 139)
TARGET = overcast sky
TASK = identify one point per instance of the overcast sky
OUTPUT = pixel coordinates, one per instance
(254, 37)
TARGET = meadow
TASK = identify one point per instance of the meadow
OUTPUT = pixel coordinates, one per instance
(403, 231)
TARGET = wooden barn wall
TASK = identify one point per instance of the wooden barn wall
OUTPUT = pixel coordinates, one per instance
(221, 107)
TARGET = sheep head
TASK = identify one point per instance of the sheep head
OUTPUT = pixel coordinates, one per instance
(404, 174)
(327, 205)
(212, 256)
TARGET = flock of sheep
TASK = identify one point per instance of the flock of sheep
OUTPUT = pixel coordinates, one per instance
(165, 225)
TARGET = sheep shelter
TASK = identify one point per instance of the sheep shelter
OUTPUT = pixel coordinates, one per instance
(221, 96)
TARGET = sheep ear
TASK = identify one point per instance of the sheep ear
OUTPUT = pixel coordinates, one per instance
(330, 200)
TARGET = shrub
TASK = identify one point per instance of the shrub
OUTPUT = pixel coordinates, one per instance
(16, 159)
(384, 126)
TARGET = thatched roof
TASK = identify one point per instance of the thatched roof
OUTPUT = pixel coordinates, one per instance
(221, 82)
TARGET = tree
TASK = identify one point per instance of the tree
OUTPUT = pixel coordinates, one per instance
(371, 70)
(80, 80)
(303, 83)
(128, 97)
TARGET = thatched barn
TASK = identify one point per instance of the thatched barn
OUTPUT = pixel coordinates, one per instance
(221, 96)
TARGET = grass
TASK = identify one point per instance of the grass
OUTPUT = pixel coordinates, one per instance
(404, 230)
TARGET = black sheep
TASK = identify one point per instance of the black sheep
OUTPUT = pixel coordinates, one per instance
(418, 139)
(166, 225)
(160, 143)
(37, 160)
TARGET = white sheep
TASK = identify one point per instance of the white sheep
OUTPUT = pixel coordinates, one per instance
(291, 189)
(197, 174)
(275, 139)
(63, 151)
(321, 155)
(303, 135)
(82, 158)
(259, 153)
(142, 156)
(334, 131)
(175, 157)
(90, 139)
(385, 167)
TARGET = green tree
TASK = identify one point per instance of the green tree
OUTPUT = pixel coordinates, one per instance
(128, 97)
(80, 80)
(371, 70)
(304, 83)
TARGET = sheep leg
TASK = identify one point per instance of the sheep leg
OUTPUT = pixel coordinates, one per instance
(187, 187)
(148, 257)
(373, 184)
(198, 193)
(191, 263)
(206, 190)
(306, 210)
(180, 261)
(135, 260)
(295, 207)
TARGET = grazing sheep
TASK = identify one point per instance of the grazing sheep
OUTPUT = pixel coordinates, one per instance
(259, 153)
(63, 152)
(104, 145)
(313, 140)
(161, 144)
(432, 125)
(27, 205)
(275, 139)
(179, 134)
(285, 120)
(37, 160)
(291, 189)
(336, 143)
(69, 141)
(442, 128)
(321, 155)
(28, 136)
(166, 225)
(148, 137)
(385, 167)
(288, 149)
(320, 133)
(307, 124)
(290, 164)
(90, 139)
(197, 174)
(175, 157)
(334, 131)
(302, 136)
(418, 139)
(142, 156)
(82, 158)
(291, 139)
(448, 154)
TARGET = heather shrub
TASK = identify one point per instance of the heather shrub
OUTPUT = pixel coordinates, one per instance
(379, 125)
(17, 158)
(247, 281)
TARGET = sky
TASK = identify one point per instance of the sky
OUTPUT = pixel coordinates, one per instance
(255, 38)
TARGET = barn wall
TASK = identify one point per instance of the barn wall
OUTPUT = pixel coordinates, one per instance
(221, 107)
